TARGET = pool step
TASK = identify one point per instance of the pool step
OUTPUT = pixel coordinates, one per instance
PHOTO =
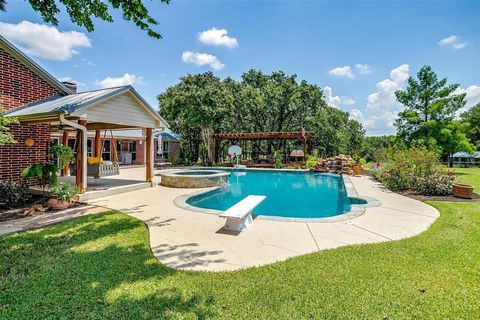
(96, 194)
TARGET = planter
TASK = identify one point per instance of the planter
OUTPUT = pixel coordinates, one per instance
(58, 204)
(462, 191)
(358, 170)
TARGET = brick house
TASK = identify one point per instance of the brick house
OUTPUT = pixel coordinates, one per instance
(49, 109)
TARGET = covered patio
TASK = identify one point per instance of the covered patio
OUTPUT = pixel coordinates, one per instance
(119, 108)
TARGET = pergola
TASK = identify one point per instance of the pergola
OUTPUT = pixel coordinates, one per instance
(116, 108)
(303, 136)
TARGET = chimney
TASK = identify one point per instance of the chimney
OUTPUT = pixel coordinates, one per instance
(71, 85)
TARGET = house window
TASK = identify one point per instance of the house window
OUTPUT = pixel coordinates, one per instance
(132, 148)
(89, 148)
(72, 143)
(106, 151)
(165, 149)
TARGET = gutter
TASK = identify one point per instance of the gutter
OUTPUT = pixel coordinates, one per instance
(84, 147)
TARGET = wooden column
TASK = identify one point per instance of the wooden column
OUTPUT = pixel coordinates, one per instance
(149, 155)
(79, 162)
(114, 149)
(304, 148)
(65, 143)
(98, 144)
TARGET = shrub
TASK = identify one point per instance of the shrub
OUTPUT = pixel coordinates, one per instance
(63, 191)
(439, 183)
(13, 195)
(415, 169)
(44, 173)
(278, 160)
(312, 160)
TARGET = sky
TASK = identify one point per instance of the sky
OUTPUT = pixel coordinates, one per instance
(358, 52)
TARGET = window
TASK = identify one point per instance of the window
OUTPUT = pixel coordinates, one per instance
(165, 149)
(106, 152)
(132, 148)
(89, 148)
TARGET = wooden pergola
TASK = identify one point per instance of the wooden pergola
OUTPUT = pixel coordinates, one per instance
(303, 136)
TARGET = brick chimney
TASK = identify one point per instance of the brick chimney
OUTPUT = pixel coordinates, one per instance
(71, 85)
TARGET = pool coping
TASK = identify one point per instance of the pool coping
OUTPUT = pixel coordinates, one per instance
(356, 209)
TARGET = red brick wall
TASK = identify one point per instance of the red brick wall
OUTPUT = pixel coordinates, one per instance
(19, 86)
(140, 149)
(17, 156)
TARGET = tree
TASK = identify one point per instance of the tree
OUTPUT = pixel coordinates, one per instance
(5, 134)
(430, 107)
(354, 138)
(373, 147)
(472, 117)
(196, 108)
(82, 12)
(202, 104)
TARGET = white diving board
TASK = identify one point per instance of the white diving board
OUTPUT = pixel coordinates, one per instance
(239, 216)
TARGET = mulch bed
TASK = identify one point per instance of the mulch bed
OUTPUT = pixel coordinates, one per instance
(416, 196)
(17, 213)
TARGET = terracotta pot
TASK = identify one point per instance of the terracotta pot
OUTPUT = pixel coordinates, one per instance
(58, 204)
(462, 191)
(358, 170)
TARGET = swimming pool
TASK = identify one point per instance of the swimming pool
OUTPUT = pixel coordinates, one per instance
(289, 194)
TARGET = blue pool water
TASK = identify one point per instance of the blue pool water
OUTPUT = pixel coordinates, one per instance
(289, 194)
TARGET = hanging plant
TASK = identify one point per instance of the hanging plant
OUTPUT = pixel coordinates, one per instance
(62, 153)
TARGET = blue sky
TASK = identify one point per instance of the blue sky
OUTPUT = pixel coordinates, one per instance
(358, 52)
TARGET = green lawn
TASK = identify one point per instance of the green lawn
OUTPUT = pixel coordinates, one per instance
(101, 267)
(469, 176)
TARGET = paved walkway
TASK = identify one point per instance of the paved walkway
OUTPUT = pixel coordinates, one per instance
(190, 240)
(43, 219)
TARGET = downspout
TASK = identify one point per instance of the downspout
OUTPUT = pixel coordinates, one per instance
(84, 147)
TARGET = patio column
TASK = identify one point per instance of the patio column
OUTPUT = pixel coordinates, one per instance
(65, 143)
(79, 162)
(149, 155)
(98, 144)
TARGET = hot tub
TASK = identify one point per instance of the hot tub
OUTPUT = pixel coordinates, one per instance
(194, 178)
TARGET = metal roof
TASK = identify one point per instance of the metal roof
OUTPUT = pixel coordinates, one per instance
(65, 104)
(76, 102)
(462, 154)
(32, 65)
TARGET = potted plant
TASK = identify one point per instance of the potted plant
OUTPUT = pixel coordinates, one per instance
(62, 196)
(462, 191)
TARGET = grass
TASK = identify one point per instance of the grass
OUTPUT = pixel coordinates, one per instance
(101, 267)
(469, 176)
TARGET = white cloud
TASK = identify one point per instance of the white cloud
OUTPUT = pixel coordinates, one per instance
(345, 71)
(202, 59)
(217, 37)
(382, 107)
(336, 101)
(125, 80)
(472, 97)
(69, 79)
(363, 68)
(44, 41)
(453, 41)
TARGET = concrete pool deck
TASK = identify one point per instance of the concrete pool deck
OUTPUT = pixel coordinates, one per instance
(190, 240)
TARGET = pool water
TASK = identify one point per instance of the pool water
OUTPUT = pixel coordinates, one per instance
(289, 194)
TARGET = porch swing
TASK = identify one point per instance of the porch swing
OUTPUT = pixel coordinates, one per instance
(96, 167)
